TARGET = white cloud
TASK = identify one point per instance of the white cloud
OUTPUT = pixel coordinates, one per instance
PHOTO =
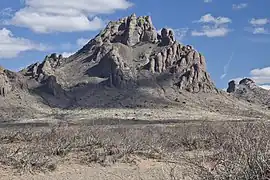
(258, 26)
(239, 6)
(212, 26)
(265, 86)
(260, 76)
(259, 22)
(207, 1)
(261, 72)
(211, 31)
(67, 54)
(261, 79)
(43, 23)
(260, 30)
(208, 18)
(65, 15)
(11, 46)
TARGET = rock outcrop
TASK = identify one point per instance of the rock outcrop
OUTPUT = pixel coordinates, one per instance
(130, 31)
(248, 90)
(5, 86)
(243, 86)
(167, 36)
(248, 83)
(129, 46)
(10, 81)
(231, 86)
(41, 71)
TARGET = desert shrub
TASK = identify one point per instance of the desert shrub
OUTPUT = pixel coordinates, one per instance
(241, 151)
(219, 150)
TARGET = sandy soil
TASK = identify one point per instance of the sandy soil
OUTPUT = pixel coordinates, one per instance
(144, 169)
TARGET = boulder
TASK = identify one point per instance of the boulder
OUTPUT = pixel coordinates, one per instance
(167, 37)
(231, 86)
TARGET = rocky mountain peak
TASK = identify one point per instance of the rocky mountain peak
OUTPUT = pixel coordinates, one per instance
(132, 44)
(130, 31)
(244, 84)
(248, 90)
(128, 54)
(248, 82)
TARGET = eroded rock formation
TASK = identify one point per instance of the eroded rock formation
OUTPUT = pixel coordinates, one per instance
(123, 43)
(129, 54)
(248, 90)
(5, 86)
(10, 81)
(41, 71)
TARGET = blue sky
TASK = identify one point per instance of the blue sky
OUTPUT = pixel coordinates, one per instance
(234, 35)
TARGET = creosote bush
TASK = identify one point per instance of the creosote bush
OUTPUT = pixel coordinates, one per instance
(209, 150)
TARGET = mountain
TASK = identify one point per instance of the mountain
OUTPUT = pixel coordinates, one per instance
(127, 65)
(249, 91)
(127, 54)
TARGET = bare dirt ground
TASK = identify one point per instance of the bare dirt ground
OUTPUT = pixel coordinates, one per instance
(144, 169)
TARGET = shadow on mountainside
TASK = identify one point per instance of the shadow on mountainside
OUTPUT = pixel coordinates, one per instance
(149, 91)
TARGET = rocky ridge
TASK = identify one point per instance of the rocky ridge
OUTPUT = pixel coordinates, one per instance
(249, 91)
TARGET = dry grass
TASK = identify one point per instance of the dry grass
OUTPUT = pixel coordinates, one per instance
(212, 151)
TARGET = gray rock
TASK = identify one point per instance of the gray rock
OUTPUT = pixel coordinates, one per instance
(167, 37)
(10, 81)
(231, 87)
(5, 86)
(248, 83)
(249, 91)
(40, 71)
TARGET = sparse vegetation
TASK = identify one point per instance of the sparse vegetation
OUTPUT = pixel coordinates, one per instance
(210, 151)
